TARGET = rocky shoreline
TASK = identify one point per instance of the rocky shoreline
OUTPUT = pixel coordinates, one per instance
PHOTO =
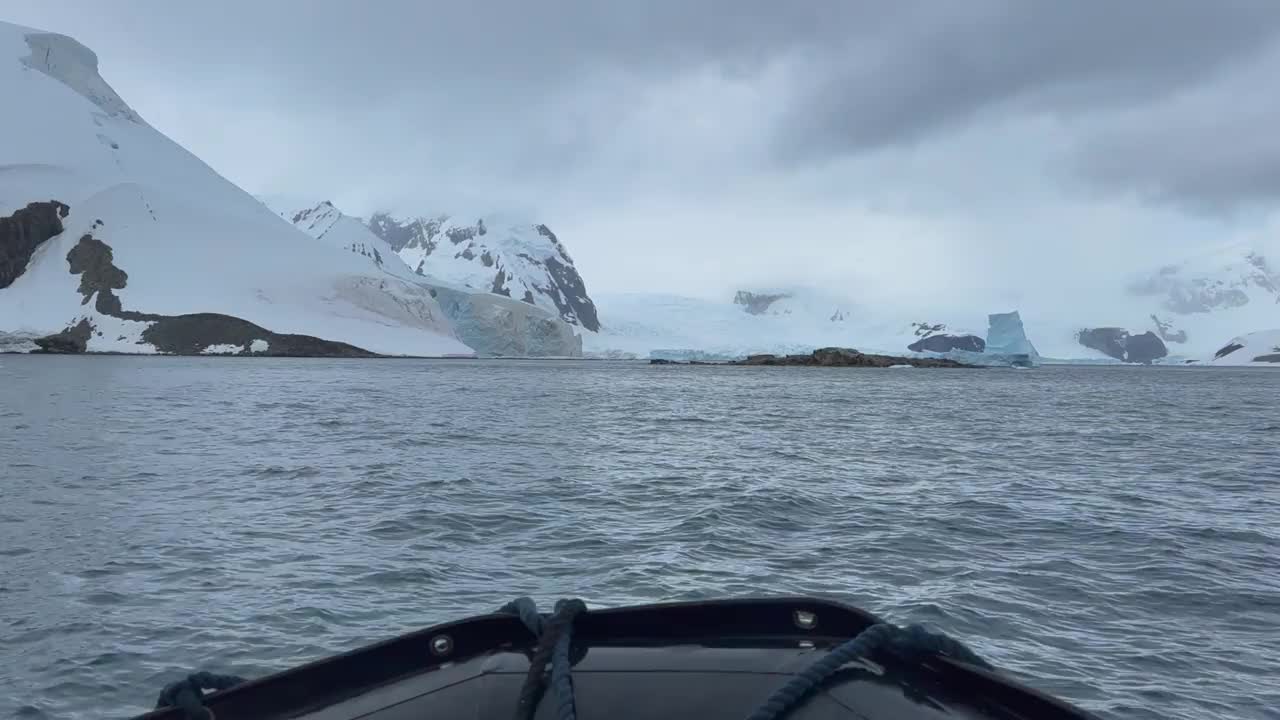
(832, 357)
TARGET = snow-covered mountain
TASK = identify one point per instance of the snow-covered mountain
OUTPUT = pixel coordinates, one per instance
(1261, 348)
(115, 238)
(523, 261)
(491, 324)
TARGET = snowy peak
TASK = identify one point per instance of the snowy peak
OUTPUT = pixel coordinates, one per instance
(76, 66)
(525, 262)
(323, 221)
(1218, 282)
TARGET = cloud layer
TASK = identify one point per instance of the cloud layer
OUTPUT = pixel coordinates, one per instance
(760, 139)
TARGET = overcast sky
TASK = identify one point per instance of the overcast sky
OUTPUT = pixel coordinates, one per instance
(870, 147)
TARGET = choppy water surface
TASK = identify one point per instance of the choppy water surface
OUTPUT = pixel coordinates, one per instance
(1111, 535)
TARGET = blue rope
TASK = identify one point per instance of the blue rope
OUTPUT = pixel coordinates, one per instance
(187, 694)
(914, 642)
(525, 608)
(561, 682)
(555, 639)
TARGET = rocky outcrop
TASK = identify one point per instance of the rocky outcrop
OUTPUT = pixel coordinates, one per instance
(194, 334)
(946, 343)
(757, 303)
(1227, 349)
(847, 357)
(74, 339)
(1120, 344)
(24, 231)
(570, 293)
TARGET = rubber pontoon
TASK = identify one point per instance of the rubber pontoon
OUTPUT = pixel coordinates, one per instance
(718, 660)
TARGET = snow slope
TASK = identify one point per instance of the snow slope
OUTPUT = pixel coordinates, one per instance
(672, 326)
(519, 260)
(491, 324)
(1261, 348)
(1225, 291)
(188, 240)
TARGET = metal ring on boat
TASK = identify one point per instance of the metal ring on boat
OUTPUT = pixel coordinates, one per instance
(805, 620)
(441, 645)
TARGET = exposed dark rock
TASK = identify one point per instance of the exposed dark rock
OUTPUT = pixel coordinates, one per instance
(1117, 343)
(1145, 348)
(757, 303)
(499, 286)
(1227, 350)
(947, 343)
(925, 329)
(1166, 334)
(528, 297)
(486, 259)
(92, 260)
(458, 235)
(24, 231)
(71, 340)
(572, 300)
(661, 361)
(191, 334)
(468, 254)
(1270, 358)
(415, 233)
(847, 357)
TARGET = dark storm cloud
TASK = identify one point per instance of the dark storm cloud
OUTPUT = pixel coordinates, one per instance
(533, 91)
(953, 61)
(1213, 152)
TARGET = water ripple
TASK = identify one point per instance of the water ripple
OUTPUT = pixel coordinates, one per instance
(1107, 534)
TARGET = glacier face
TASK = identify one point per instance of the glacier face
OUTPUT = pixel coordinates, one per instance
(184, 241)
(523, 261)
(491, 324)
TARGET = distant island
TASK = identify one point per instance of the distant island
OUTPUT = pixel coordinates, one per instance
(832, 357)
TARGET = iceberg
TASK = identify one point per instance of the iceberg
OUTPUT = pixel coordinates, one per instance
(1007, 339)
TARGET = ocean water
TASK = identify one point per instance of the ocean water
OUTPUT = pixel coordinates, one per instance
(1110, 535)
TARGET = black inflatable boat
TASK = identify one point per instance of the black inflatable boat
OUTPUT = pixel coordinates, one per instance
(797, 658)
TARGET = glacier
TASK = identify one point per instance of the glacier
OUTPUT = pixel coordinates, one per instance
(184, 241)
(491, 324)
